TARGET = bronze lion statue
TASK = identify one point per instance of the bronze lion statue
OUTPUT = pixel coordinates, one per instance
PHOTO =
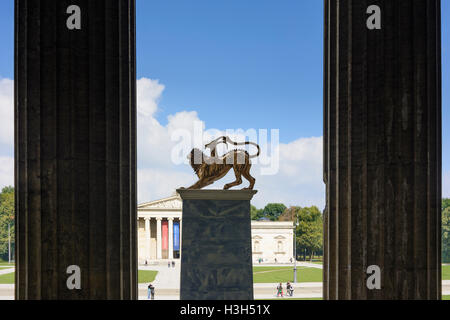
(213, 168)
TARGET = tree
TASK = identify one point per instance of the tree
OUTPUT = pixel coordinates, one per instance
(273, 211)
(309, 231)
(290, 214)
(445, 204)
(446, 235)
(6, 219)
(256, 214)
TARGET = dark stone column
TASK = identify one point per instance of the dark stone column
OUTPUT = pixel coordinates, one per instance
(75, 149)
(216, 259)
(383, 149)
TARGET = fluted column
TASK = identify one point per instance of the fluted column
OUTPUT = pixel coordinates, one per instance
(148, 236)
(181, 238)
(382, 149)
(75, 131)
(170, 238)
(158, 239)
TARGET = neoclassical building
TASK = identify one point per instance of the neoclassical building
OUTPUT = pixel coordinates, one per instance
(160, 226)
(273, 240)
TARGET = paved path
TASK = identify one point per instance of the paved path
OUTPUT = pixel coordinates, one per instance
(299, 264)
(6, 271)
(167, 278)
(263, 291)
(310, 265)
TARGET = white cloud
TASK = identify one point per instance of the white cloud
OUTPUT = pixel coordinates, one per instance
(446, 185)
(300, 178)
(6, 132)
(298, 182)
(6, 171)
(148, 94)
(7, 114)
(161, 183)
(158, 176)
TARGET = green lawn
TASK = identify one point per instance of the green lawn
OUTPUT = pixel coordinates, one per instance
(285, 274)
(6, 264)
(146, 276)
(445, 272)
(7, 278)
(260, 275)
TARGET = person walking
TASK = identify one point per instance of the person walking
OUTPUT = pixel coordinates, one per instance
(289, 289)
(151, 292)
(280, 290)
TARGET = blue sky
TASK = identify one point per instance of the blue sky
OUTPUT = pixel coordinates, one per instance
(237, 63)
(232, 64)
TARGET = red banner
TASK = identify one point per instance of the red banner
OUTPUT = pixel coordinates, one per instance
(165, 235)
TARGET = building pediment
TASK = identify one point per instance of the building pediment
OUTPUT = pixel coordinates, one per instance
(172, 203)
(280, 238)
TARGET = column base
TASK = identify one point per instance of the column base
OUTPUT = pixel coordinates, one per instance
(216, 263)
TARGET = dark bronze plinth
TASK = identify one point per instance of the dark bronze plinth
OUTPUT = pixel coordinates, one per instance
(216, 259)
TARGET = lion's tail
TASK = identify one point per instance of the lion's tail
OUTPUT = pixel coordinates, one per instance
(227, 140)
(259, 150)
(248, 143)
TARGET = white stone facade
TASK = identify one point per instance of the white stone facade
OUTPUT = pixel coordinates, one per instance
(153, 217)
(272, 242)
(159, 221)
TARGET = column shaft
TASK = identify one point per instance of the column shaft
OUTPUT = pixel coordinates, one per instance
(75, 137)
(148, 236)
(181, 236)
(383, 149)
(170, 238)
(158, 239)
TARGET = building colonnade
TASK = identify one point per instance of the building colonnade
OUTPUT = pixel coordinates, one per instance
(160, 238)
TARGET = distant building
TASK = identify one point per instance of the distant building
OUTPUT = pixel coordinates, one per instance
(272, 241)
(160, 227)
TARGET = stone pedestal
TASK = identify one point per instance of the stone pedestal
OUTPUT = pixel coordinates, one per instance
(75, 122)
(382, 149)
(216, 263)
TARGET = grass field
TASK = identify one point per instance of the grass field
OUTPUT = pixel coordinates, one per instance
(285, 274)
(6, 264)
(146, 276)
(445, 272)
(7, 278)
(260, 275)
